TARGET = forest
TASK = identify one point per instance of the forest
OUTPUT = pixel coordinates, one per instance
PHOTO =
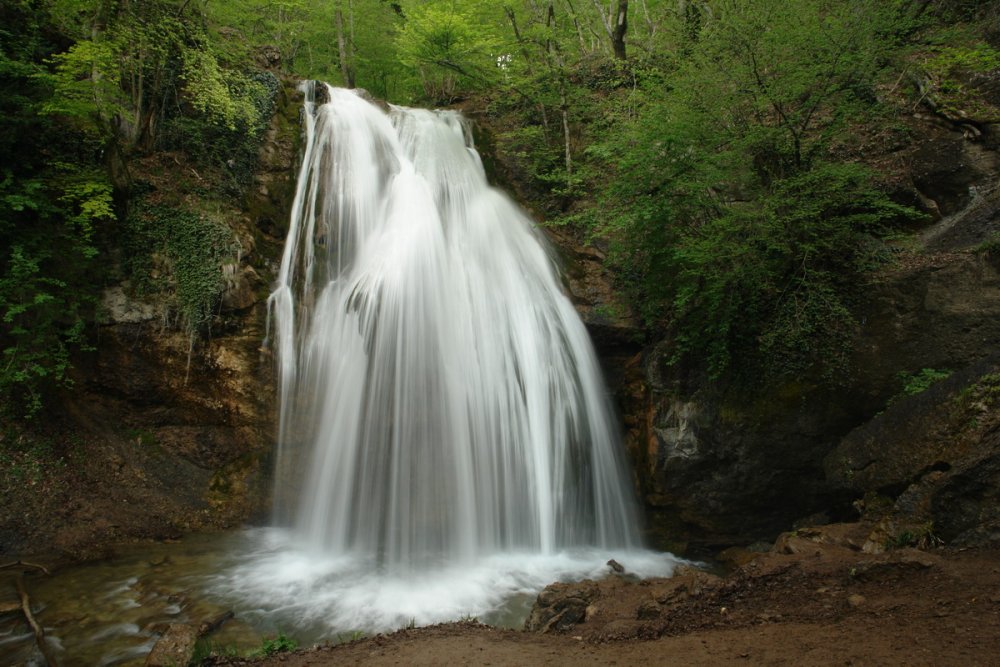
(747, 244)
(761, 332)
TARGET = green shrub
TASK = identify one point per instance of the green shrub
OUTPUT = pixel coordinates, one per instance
(230, 142)
(919, 382)
(278, 644)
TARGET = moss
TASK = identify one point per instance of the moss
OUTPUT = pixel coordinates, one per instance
(180, 253)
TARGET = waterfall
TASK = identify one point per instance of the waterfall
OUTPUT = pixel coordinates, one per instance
(440, 398)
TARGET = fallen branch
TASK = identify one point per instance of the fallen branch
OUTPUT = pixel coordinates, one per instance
(214, 624)
(22, 592)
(24, 564)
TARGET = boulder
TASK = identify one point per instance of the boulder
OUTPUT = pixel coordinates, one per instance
(174, 647)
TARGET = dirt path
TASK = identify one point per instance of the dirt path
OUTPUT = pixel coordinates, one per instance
(821, 604)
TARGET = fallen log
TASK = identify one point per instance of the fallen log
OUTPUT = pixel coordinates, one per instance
(214, 624)
(43, 646)
(24, 564)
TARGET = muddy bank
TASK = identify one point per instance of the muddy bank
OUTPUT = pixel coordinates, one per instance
(814, 599)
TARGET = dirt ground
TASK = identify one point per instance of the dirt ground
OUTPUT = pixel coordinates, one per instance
(814, 604)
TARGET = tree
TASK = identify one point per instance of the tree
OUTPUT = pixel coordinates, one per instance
(345, 43)
(747, 238)
(449, 49)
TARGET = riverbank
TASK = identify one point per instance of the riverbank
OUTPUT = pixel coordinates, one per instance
(814, 599)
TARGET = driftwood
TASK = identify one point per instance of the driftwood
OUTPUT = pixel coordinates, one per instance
(24, 606)
(25, 565)
(213, 624)
(22, 593)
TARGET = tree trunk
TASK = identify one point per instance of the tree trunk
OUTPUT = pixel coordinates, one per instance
(342, 49)
(619, 30)
(552, 47)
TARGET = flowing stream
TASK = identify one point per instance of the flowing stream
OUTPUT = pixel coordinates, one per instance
(446, 445)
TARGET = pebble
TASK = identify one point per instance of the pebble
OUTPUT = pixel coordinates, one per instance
(855, 600)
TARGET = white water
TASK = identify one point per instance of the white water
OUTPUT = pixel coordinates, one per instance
(447, 449)
(445, 437)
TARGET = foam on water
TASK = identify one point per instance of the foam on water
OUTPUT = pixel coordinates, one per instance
(441, 402)
(446, 442)
(321, 597)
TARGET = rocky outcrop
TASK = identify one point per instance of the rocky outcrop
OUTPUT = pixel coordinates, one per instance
(928, 469)
(165, 432)
(730, 467)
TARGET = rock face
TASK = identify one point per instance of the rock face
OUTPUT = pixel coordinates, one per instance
(720, 469)
(561, 606)
(929, 467)
(165, 433)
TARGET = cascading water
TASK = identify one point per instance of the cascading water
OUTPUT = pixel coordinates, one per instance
(446, 446)
(445, 437)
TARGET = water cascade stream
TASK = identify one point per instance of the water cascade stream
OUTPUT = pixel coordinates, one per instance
(439, 393)
(446, 445)
(441, 402)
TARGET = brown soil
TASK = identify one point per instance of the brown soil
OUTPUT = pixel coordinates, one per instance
(817, 604)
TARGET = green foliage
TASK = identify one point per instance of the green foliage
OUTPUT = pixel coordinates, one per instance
(733, 226)
(304, 35)
(84, 86)
(919, 382)
(918, 537)
(205, 648)
(983, 394)
(990, 247)
(55, 200)
(232, 149)
(450, 51)
(83, 89)
(952, 64)
(278, 644)
(181, 253)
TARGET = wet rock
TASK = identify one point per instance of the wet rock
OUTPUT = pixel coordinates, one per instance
(175, 647)
(613, 326)
(935, 458)
(736, 468)
(940, 173)
(241, 289)
(118, 308)
(561, 606)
